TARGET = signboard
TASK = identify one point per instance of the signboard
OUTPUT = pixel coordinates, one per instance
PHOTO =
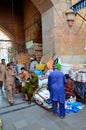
(78, 6)
(29, 45)
(38, 46)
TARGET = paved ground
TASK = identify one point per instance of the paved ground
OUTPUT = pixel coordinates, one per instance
(23, 116)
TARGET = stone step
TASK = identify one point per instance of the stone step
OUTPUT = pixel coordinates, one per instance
(15, 107)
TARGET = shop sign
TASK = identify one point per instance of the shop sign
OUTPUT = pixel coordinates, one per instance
(38, 46)
(29, 45)
(78, 6)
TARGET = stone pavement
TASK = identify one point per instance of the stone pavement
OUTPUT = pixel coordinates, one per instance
(24, 116)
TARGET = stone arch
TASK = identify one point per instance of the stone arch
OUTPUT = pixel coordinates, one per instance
(6, 44)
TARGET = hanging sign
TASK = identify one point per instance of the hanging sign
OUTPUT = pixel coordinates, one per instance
(29, 45)
(78, 6)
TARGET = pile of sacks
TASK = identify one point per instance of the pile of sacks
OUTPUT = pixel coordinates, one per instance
(47, 68)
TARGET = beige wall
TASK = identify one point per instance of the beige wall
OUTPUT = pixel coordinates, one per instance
(58, 38)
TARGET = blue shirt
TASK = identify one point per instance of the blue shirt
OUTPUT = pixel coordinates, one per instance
(56, 84)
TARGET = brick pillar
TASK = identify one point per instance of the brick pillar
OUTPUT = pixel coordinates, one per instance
(52, 30)
(48, 34)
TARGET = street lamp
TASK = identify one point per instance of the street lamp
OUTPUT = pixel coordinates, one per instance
(70, 16)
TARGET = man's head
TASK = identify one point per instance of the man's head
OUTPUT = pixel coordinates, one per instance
(67, 76)
(9, 65)
(3, 61)
(22, 69)
(54, 67)
(33, 59)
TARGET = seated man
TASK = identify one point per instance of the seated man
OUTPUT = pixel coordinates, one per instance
(30, 86)
(69, 87)
(24, 76)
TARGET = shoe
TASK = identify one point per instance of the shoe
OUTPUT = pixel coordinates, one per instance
(62, 117)
(55, 114)
(11, 104)
(25, 99)
(29, 102)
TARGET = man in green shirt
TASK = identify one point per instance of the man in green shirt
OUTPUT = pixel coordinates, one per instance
(30, 86)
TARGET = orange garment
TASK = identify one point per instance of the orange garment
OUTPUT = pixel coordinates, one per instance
(24, 75)
(49, 64)
(69, 88)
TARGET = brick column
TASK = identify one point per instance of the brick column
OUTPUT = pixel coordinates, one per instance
(48, 34)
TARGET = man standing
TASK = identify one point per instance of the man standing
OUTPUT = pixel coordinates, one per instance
(10, 82)
(33, 64)
(56, 83)
(2, 71)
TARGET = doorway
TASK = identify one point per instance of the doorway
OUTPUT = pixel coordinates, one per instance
(5, 46)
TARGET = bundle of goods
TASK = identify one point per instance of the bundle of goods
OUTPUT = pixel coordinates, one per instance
(40, 66)
(41, 97)
(43, 80)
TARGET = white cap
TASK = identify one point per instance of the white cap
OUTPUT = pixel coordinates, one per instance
(31, 58)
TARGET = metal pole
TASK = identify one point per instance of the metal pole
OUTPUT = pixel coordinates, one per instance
(81, 16)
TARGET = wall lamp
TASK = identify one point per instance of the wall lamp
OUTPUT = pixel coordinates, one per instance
(73, 11)
(70, 16)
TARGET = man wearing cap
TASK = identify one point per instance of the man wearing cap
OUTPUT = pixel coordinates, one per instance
(33, 64)
(56, 84)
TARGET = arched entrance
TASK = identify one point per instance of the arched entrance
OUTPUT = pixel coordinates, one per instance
(5, 46)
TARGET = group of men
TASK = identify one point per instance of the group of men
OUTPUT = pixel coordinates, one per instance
(7, 74)
(56, 85)
(7, 79)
